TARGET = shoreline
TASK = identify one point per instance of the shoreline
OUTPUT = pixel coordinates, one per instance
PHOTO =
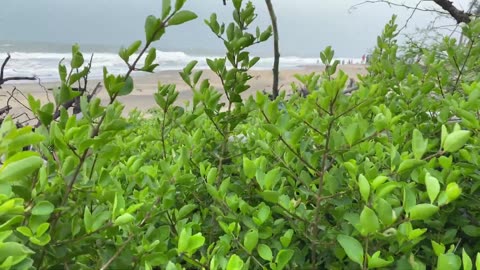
(146, 85)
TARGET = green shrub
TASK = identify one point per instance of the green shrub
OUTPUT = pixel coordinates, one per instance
(384, 177)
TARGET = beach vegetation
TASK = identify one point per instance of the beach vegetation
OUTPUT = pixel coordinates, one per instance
(386, 176)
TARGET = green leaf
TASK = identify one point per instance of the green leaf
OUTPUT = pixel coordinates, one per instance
(154, 28)
(433, 187)
(352, 248)
(127, 88)
(283, 257)
(13, 171)
(453, 191)
(456, 140)
(286, 239)
(265, 252)
(449, 261)
(410, 164)
(249, 167)
(419, 145)
(166, 8)
(376, 262)
(250, 240)
(43, 208)
(384, 211)
(77, 60)
(477, 261)
(264, 212)
(25, 231)
(422, 211)
(368, 221)
(133, 48)
(467, 261)
(185, 211)
(151, 56)
(183, 238)
(182, 17)
(235, 263)
(364, 187)
(13, 249)
(444, 135)
(42, 228)
(124, 219)
(87, 219)
(179, 4)
(195, 242)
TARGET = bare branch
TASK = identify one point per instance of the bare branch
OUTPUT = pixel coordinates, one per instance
(15, 78)
(3, 67)
(276, 49)
(393, 4)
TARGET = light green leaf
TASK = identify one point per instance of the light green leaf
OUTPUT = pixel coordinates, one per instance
(456, 140)
(433, 187)
(453, 191)
(265, 252)
(182, 17)
(422, 211)
(352, 248)
(368, 221)
(235, 263)
(195, 242)
(283, 257)
(249, 167)
(364, 187)
(42, 228)
(286, 239)
(13, 171)
(467, 261)
(477, 261)
(124, 219)
(183, 238)
(419, 144)
(449, 261)
(25, 231)
(250, 240)
(377, 262)
(384, 211)
(409, 164)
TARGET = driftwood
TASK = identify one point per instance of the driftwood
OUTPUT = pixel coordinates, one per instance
(5, 109)
(14, 78)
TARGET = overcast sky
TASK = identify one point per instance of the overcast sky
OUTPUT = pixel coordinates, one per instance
(306, 26)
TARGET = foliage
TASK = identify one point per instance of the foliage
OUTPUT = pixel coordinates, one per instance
(384, 177)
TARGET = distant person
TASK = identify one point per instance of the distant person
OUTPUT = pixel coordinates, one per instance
(363, 59)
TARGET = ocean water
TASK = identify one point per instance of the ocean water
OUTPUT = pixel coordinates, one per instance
(42, 60)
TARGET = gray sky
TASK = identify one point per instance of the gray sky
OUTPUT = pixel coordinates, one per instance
(306, 26)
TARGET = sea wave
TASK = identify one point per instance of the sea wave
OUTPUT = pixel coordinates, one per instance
(45, 65)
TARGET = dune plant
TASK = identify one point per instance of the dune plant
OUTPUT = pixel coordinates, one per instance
(383, 177)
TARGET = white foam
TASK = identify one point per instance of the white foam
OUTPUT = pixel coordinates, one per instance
(45, 65)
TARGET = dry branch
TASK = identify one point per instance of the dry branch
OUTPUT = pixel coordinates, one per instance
(14, 78)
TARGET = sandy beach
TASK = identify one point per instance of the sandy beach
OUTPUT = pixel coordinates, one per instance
(145, 85)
